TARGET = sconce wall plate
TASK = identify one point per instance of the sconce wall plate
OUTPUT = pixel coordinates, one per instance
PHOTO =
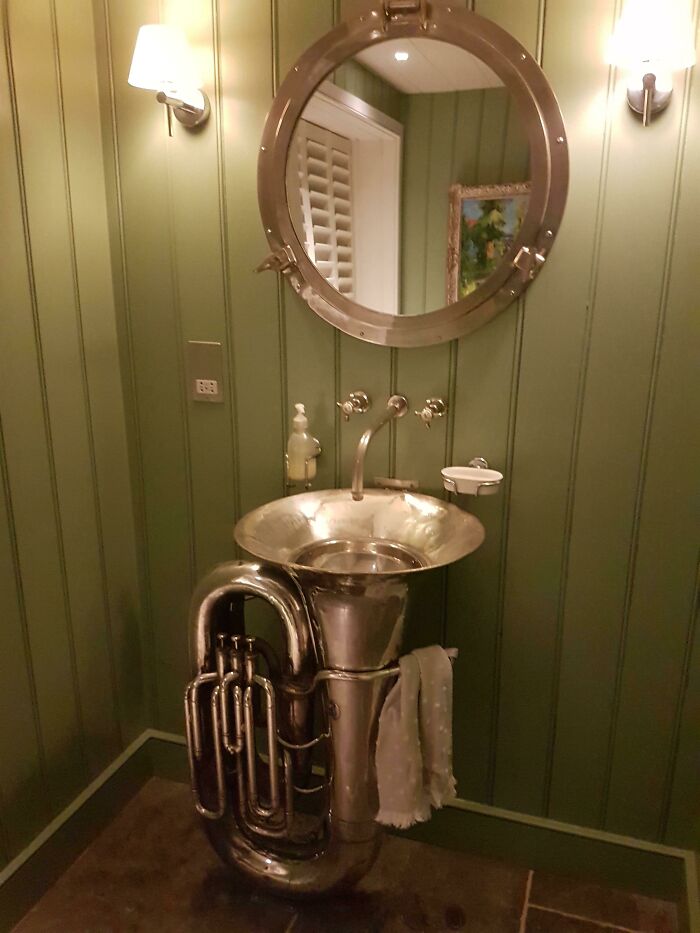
(187, 114)
(648, 100)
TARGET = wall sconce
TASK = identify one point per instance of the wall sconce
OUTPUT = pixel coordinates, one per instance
(163, 62)
(652, 39)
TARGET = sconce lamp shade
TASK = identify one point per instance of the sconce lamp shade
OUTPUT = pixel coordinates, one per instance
(654, 36)
(162, 61)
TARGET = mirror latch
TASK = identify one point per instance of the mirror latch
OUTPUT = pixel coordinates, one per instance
(407, 11)
(529, 262)
(279, 261)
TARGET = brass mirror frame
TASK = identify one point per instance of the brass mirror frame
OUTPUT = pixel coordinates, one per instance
(539, 110)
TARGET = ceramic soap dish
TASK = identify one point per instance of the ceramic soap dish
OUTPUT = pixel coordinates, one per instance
(473, 480)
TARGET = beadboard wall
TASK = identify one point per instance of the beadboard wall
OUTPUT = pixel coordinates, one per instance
(71, 626)
(578, 686)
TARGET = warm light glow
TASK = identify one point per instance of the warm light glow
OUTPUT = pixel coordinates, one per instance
(401, 56)
(163, 62)
(654, 36)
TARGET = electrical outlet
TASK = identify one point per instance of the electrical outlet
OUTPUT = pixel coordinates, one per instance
(205, 371)
(206, 386)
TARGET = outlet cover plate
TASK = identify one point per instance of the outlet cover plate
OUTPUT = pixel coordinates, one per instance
(205, 371)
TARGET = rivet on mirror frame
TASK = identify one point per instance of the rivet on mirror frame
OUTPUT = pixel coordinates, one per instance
(524, 57)
(560, 139)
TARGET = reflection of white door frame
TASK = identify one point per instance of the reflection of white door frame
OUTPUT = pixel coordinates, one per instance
(376, 153)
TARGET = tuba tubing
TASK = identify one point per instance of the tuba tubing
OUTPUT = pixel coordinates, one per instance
(225, 767)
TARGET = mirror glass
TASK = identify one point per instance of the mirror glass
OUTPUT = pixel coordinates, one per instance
(408, 176)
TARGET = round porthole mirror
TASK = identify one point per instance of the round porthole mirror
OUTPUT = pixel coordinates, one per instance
(413, 173)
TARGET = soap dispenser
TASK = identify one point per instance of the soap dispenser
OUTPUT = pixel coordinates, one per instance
(302, 450)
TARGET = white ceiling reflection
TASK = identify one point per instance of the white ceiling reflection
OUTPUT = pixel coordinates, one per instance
(432, 67)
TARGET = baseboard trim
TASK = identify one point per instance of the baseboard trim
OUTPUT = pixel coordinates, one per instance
(535, 842)
(29, 875)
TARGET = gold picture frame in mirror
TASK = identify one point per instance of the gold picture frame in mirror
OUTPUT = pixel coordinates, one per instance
(348, 249)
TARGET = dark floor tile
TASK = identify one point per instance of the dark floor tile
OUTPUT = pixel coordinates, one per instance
(606, 905)
(153, 870)
(416, 888)
(541, 921)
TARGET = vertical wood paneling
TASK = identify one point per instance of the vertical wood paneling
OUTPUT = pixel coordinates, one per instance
(669, 532)
(90, 227)
(120, 292)
(682, 823)
(33, 492)
(576, 691)
(485, 370)
(662, 582)
(69, 597)
(23, 778)
(49, 211)
(522, 720)
(157, 358)
(552, 356)
(202, 309)
(604, 519)
(245, 31)
(22, 771)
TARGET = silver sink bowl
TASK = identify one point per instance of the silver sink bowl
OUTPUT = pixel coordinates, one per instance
(386, 533)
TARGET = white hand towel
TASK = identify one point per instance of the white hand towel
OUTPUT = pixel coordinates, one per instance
(414, 744)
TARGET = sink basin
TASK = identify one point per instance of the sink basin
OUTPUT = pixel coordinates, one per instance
(386, 533)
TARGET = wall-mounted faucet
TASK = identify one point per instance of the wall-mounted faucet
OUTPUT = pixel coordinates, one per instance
(357, 403)
(434, 408)
(397, 406)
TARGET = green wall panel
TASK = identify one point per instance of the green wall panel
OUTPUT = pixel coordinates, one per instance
(69, 591)
(102, 382)
(543, 392)
(604, 521)
(577, 689)
(662, 602)
(677, 438)
(157, 346)
(245, 77)
(554, 341)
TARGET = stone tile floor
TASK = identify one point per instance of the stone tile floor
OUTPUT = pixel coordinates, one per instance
(152, 870)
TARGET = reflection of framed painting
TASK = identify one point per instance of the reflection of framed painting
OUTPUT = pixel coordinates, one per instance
(484, 222)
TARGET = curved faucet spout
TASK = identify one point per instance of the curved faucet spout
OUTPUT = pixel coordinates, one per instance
(397, 407)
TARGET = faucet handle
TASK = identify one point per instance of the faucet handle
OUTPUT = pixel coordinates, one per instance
(357, 403)
(434, 408)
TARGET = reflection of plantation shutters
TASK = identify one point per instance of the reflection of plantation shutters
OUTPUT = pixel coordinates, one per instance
(323, 214)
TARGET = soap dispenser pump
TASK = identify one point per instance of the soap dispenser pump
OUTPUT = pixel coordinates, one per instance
(302, 450)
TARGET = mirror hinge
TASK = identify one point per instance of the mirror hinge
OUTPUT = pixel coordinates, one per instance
(279, 261)
(403, 11)
(529, 262)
